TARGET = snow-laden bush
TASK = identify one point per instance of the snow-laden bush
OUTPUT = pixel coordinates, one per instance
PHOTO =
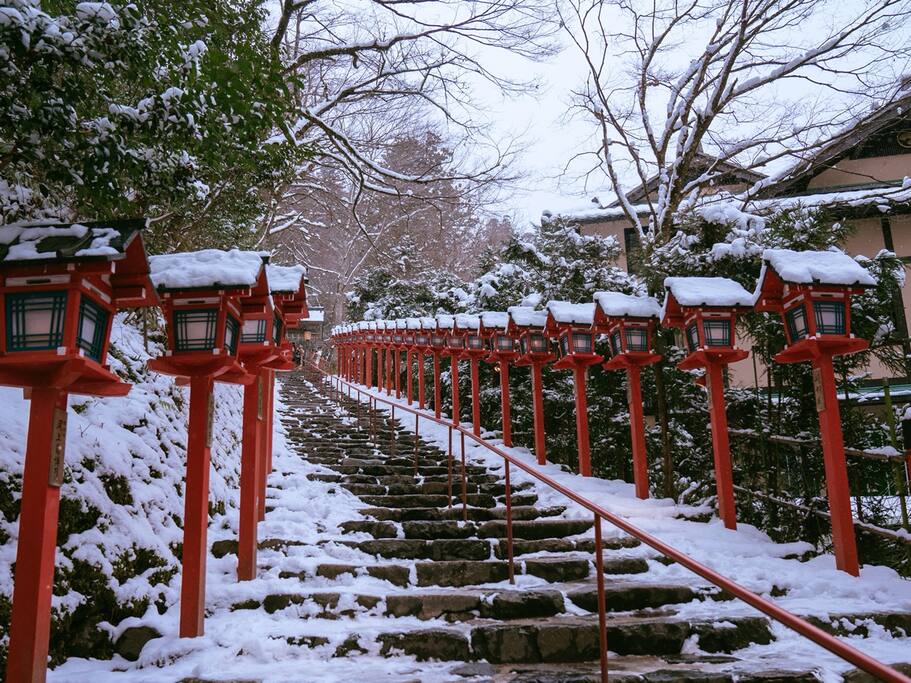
(121, 507)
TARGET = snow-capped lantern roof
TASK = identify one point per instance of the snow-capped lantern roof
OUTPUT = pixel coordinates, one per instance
(286, 279)
(445, 321)
(413, 323)
(619, 305)
(428, 323)
(467, 321)
(523, 317)
(786, 269)
(494, 320)
(66, 242)
(207, 269)
(371, 325)
(401, 324)
(701, 293)
(565, 313)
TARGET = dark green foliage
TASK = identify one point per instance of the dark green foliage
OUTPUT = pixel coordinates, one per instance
(162, 111)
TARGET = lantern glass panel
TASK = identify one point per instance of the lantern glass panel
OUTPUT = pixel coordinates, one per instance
(615, 343)
(422, 340)
(232, 332)
(505, 342)
(397, 338)
(438, 340)
(276, 330)
(717, 332)
(456, 342)
(253, 332)
(830, 317)
(636, 339)
(582, 342)
(796, 320)
(34, 320)
(538, 343)
(93, 325)
(692, 337)
(564, 344)
(194, 330)
(475, 342)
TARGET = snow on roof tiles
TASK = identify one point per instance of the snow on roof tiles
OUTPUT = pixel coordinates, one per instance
(567, 312)
(285, 279)
(708, 291)
(467, 321)
(617, 304)
(206, 268)
(823, 267)
(495, 319)
(32, 241)
(525, 316)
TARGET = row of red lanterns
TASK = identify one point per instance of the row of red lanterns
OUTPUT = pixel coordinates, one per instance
(811, 291)
(226, 314)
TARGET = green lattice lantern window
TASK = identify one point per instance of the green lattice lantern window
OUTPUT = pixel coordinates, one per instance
(35, 320)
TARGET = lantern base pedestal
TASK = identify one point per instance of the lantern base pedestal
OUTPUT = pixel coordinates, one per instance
(72, 372)
(811, 349)
(704, 357)
(578, 360)
(631, 359)
(223, 368)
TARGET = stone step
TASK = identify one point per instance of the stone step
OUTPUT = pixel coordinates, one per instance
(474, 514)
(425, 500)
(536, 529)
(640, 669)
(628, 596)
(573, 639)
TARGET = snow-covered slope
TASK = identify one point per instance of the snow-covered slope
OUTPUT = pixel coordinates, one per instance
(122, 502)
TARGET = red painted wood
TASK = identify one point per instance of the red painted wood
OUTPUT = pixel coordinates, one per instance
(421, 385)
(475, 396)
(34, 577)
(455, 390)
(537, 400)
(637, 432)
(409, 377)
(196, 511)
(437, 394)
(397, 369)
(721, 448)
(369, 367)
(833, 452)
(251, 463)
(582, 445)
(504, 403)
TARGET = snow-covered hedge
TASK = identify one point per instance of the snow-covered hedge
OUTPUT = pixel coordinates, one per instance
(121, 507)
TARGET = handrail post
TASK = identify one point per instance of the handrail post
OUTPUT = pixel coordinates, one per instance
(464, 481)
(395, 433)
(509, 550)
(449, 465)
(602, 606)
(417, 418)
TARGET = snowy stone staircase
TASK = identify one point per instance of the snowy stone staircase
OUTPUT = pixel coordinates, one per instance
(425, 583)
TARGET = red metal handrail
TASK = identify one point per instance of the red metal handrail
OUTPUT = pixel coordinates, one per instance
(767, 607)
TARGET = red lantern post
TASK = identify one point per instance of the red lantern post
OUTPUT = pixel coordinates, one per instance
(60, 285)
(412, 326)
(388, 327)
(812, 293)
(503, 350)
(371, 346)
(475, 349)
(706, 309)
(201, 298)
(455, 345)
(535, 351)
(572, 323)
(629, 321)
(438, 347)
(398, 345)
(422, 344)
